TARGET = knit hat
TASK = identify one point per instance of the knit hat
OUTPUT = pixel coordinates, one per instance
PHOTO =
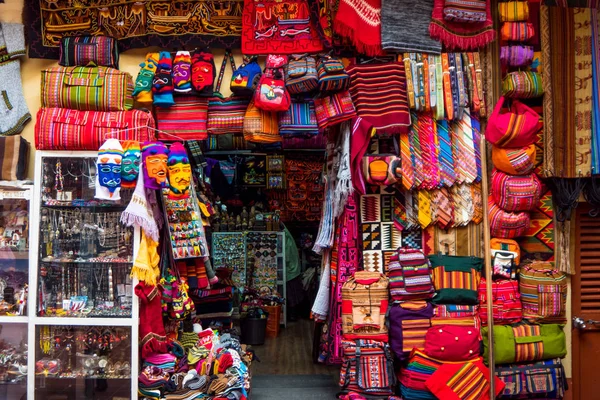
(162, 84)
(130, 166)
(182, 72)
(203, 71)
(143, 82)
(13, 108)
(139, 212)
(108, 178)
(180, 171)
(155, 155)
(225, 362)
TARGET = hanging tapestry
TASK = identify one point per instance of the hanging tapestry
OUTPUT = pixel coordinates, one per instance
(141, 23)
(538, 241)
(279, 27)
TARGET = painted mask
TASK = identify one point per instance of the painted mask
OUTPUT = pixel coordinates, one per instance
(108, 178)
(180, 171)
(130, 167)
(154, 155)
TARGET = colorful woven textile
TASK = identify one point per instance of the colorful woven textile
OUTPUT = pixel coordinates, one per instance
(226, 115)
(543, 293)
(409, 322)
(504, 224)
(595, 142)
(81, 50)
(273, 27)
(261, 126)
(516, 55)
(186, 120)
(513, 11)
(469, 381)
(299, 120)
(65, 129)
(334, 109)
(522, 85)
(409, 275)
(368, 368)
(87, 89)
(515, 193)
(360, 22)
(506, 302)
(550, 380)
(467, 11)
(405, 26)
(458, 35)
(584, 85)
(517, 31)
(456, 279)
(14, 152)
(515, 161)
(379, 95)
(144, 23)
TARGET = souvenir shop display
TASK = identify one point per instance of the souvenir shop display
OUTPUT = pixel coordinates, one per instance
(229, 251)
(13, 363)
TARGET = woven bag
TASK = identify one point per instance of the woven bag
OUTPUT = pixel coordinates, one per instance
(506, 245)
(543, 379)
(367, 368)
(515, 161)
(65, 129)
(299, 120)
(87, 89)
(517, 31)
(505, 224)
(516, 193)
(83, 50)
(409, 272)
(516, 55)
(456, 279)
(332, 75)
(506, 302)
(261, 126)
(301, 74)
(517, 126)
(334, 109)
(226, 115)
(522, 85)
(185, 120)
(543, 292)
(408, 322)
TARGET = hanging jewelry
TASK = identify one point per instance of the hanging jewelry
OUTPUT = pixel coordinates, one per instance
(110, 284)
(45, 340)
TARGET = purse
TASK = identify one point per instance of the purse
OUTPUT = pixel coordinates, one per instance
(260, 126)
(525, 343)
(516, 55)
(185, 120)
(245, 79)
(452, 342)
(87, 89)
(517, 31)
(456, 279)
(271, 93)
(381, 170)
(65, 129)
(544, 292)
(506, 302)
(515, 161)
(85, 50)
(506, 224)
(513, 11)
(408, 323)
(301, 74)
(517, 127)
(543, 379)
(14, 152)
(299, 120)
(334, 109)
(516, 193)
(226, 115)
(367, 368)
(522, 85)
(332, 75)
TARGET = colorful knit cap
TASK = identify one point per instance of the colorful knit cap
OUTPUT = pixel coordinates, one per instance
(132, 157)
(182, 72)
(108, 179)
(180, 172)
(155, 155)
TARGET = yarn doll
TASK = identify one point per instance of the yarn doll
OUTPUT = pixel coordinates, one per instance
(180, 172)
(162, 84)
(143, 82)
(130, 167)
(154, 156)
(153, 338)
(203, 72)
(108, 178)
(182, 72)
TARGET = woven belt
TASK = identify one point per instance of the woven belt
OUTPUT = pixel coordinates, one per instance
(409, 80)
(479, 83)
(449, 105)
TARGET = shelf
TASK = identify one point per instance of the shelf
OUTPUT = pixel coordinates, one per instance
(85, 262)
(83, 321)
(17, 319)
(17, 255)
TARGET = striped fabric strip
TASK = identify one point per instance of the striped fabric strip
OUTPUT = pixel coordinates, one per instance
(469, 382)
(299, 120)
(456, 93)
(410, 86)
(448, 96)
(445, 153)
(465, 148)
(415, 152)
(186, 120)
(528, 351)
(595, 142)
(476, 125)
(413, 333)
(429, 151)
(408, 171)
(443, 279)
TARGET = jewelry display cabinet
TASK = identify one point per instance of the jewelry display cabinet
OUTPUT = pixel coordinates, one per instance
(15, 200)
(84, 319)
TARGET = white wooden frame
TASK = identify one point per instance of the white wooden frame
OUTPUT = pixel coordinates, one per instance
(34, 320)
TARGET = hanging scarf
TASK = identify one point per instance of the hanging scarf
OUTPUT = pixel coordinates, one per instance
(362, 132)
(320, 308)
(324, 238)
(139, 212)
(457, 35)
(343, 184)
(360, 22)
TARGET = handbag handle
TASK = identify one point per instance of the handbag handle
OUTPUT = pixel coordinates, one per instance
(228, 55)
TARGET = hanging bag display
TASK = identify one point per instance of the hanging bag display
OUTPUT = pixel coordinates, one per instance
(333, 77)
(506, 302)
(226, 115)
(506, 224)
(515, 161)
(364, 305)
(408, 323)
(301, 74)
(261, 126)
(456, 279)
(409, 272)
(543, 292)
(86, 50)
(516, 193)
(334, 109)
(525, 343)
(543, 379)
(367, 368)
(516, 127)
(245, 79)
(87, 89)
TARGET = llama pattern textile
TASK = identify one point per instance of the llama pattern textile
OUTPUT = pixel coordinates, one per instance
(405, 26)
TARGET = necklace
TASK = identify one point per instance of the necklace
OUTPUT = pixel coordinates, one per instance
(99, 280)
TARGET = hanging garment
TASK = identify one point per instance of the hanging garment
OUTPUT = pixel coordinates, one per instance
(405, 26)
(14, 113)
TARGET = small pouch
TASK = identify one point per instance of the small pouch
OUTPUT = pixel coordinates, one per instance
(517, 31)
(516, 55)
(86, 50)
(513, 11)
(452, 343)
(522, 85)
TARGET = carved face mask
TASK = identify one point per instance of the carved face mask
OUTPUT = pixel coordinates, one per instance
(154, 155)
(108, 178)
(180, 171)
(130, 167)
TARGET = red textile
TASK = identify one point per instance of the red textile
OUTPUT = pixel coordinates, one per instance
(458, 35)
(463, 381)
(360, 21)
(153, 338)
(278, 27)
(359, 142)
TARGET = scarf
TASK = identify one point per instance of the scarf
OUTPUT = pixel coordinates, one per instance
(324, 238)
(362, 132)
(405, 26)
(320, 308)
(343, 184)
(145, 267)
(360, 22)
(139, 212)
(462, 36)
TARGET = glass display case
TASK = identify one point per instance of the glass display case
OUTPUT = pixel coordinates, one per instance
(84, 314)
(13, 360)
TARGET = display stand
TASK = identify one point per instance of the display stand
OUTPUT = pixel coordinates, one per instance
(84, 318)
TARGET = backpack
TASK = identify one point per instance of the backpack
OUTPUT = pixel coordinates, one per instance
(367, 368)
(516, 193)
(408, 324)
(543, 379)
(456, 279)
(506, 256)
(332, 75)
(271, 94)
(543, 292)
(245, 79)
(409, 273)
(364, 305)
(506, 303)
(301, 74)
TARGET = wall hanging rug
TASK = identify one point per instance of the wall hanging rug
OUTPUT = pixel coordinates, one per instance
(273, 27)
(144, 23)
(405, 26)
(379, 95)
(360, 22)
(14, 152)
(537, 243)
(459, 35)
